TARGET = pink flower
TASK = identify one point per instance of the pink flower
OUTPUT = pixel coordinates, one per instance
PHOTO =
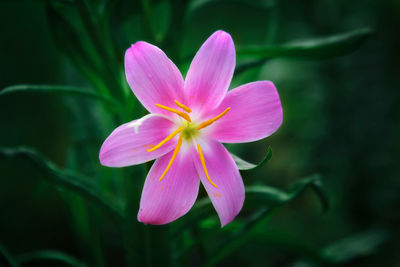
(188, 121)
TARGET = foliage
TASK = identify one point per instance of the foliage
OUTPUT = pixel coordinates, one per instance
(276, 225)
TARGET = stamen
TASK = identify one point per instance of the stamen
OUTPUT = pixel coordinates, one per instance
(169, 137)
(210, 121)
(182, 106)
(203, 163)
(178, 112)
(176, 151)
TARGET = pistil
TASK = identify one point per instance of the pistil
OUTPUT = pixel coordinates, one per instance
(188, 131)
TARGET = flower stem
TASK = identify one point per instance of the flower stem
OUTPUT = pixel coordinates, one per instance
(138, 251)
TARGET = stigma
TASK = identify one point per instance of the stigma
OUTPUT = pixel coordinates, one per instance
(189, 130)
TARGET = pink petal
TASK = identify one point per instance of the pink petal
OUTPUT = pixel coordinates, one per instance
(153, 77)
(128, 144)
(256, 112)
(166, 200)
(228, 196)
(210, 72)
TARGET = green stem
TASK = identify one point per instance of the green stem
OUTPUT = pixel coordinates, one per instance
(7, 258)
(49, 255)
(104, 49)
(136, 237)
(172, 42)
(141, 240)
(147, 21)
(239, 237)
(159, 242)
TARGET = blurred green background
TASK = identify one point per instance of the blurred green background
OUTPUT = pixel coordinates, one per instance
(341, 123)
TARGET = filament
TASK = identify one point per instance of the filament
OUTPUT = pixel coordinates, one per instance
(210, 121)
(203, 163)
(176, 151)
(169, 137)
(182, 106)
(178, 112)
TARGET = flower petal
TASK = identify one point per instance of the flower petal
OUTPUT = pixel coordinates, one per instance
(256, 112)
(153, 77)
(166, 200)
(228, 196)
(128, 144)
(210, 72)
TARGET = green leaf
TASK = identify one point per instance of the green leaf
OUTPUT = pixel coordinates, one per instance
(197, 4)
(161, 18)
(172, 43)
(246, 65)
(261, 195)
(60, 90)
(355, 246)
(83, 57)
(6, 257)
(50, 255)
(272, 196)
(70, 21)
(136, 253)
(318, 48)
(340, 252)
(66, 179)
(246, 166)
(239, 237)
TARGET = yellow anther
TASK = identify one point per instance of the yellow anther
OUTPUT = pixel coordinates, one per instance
(176, 151)
(169, 137)
(182, 106)
(178, 112)
(210, 121)
(203, 163)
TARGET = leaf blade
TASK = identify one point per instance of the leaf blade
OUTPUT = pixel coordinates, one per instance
(355, 246)
(270, 197)
(64, 178)
(247, 166)
(239, 237)
(52, 255)
(6, 257)
(316, 48)
(278, 197)
(58, 89)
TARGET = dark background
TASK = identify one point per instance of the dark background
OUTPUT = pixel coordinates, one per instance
(341, 120)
